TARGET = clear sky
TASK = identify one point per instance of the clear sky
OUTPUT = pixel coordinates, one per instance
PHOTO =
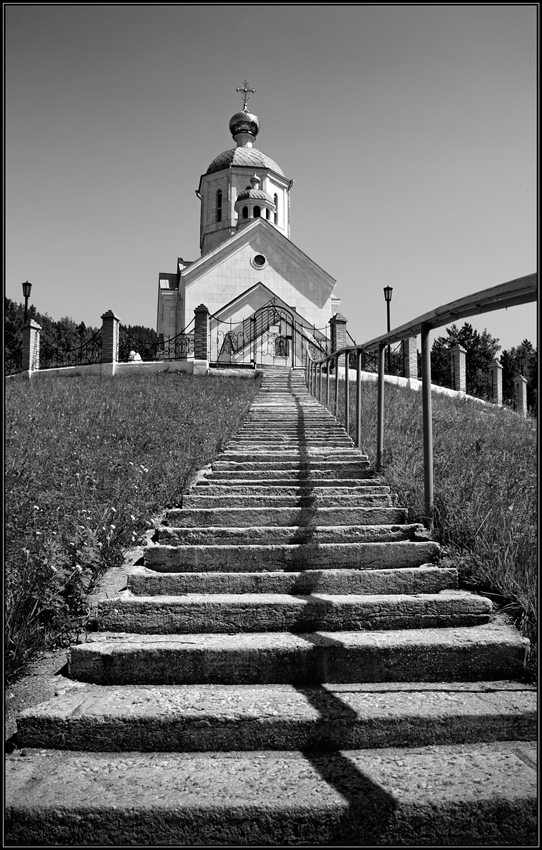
(410, 131)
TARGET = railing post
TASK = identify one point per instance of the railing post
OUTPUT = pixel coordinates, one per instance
(201, 334)
(110, 342)
(337, 325)
(358, 399)
(336, 399)
(459, 368)
(410, 358)
(328, 362)
(31, 347)
(347, 392)
(520, 394)
(495, 374)
(380, 409)
(427, 425)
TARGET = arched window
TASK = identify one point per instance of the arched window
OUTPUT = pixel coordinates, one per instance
(267, 214)
(245, 212)
(219, 205)
(276, 200)
(257, 212)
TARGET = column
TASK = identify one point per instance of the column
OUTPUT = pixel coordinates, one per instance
(201, 338)
(337, 325)
(459, 368)
(520, 394)
(495, 375)
(31, 346)
(110, 342)
(410, 358)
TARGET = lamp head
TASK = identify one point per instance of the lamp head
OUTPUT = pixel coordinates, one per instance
(387, 292)
(27, 286)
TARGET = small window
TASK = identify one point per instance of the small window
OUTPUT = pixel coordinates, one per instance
(276, 216)
(259, 260)
(219, 205)
(245, 212)
(257, 212)
(267, 214)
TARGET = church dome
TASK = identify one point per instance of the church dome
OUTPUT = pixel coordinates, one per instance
(245, 156)
(254, 193)
(244, 122)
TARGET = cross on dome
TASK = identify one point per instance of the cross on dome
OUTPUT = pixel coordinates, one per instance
(245, 89)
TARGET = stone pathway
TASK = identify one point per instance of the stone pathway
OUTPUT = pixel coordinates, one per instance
(289, 666)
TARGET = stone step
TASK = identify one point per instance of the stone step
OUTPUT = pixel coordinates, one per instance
(221, 718)
(306, 476)
(298, 556)
(426, 578)
(275, 612)
(279, 486)
(298, 464)
(462, 795)
(173, 534)
(243, 517)
(488, 652)
(358, 499)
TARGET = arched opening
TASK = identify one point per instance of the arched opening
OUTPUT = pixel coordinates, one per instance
(267, 214)
(257, 212)
(245, 212)
(276, 216)
(219, 205)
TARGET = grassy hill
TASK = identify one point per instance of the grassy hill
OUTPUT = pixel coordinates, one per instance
(91, 461)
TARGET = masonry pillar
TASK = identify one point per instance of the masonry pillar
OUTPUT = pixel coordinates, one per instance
(201, 337)
(110, 342)
(410, 358)
(337, 325)
(31, 346)
(495, 376)
(520, 394)
(459, 368)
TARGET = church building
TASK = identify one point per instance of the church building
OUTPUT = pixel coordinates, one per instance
(266, 298)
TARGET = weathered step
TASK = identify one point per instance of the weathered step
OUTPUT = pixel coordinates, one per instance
(280, 486)
(464, 794)
(245, 517)
(221, 718)
(492, 651)
(274, 612)
(302, 475)
(297, 463)
(424, 579)
(298, 556)
(171, 534)
(322, 501)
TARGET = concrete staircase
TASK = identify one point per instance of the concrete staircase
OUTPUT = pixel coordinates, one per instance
(289, 666)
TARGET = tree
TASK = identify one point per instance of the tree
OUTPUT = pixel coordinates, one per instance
(523, 359)
(481, 349)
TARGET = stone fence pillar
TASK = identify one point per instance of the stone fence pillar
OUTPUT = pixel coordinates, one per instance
(201, 334)
(410, 357)
(31, 346)
(495, 376)
(110, 339)
(459, 368)
(337, 325)
(520, 394)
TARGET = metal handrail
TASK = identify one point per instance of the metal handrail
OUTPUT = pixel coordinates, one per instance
(519, 291)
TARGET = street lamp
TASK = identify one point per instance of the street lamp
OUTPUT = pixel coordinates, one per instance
(387, 295)
(26, 292)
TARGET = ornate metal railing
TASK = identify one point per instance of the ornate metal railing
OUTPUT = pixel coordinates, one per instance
(52, 356)
(179, 347)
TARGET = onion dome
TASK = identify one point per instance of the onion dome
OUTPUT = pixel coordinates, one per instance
(244, 122)
(252, 193)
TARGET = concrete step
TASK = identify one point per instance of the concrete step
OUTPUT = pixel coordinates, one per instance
(142, 581)
(306, 464)
(244, 517)
(461, 795)
(172, 534)
(488, 652)
(293, 501)
(221, 718)
(299, 556)
(275, 612)
(303, 476)
(280, 486)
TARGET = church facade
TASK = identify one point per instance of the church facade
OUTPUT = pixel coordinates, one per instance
(266, 298)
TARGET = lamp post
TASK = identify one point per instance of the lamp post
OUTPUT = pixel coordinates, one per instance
(387, 295)
(26, 292)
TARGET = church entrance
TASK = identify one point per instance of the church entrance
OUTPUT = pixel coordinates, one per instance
(272, 336)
